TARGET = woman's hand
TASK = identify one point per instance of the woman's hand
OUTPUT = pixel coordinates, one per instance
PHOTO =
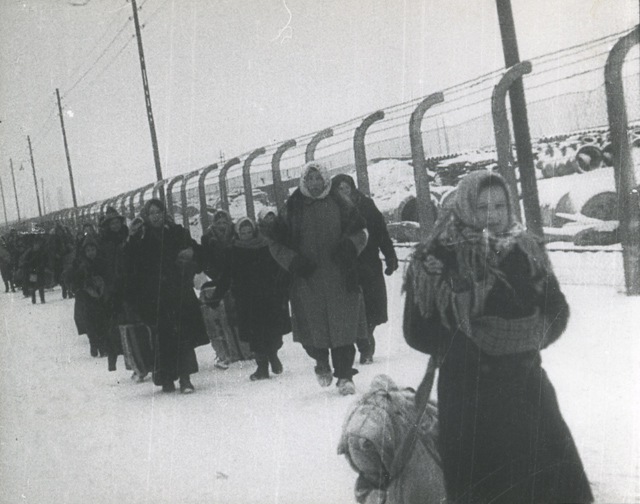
(433, 266)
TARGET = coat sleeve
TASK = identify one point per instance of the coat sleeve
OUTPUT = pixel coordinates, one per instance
(386, 245)
(554, 309)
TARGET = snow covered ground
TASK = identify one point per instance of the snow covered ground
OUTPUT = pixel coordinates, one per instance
(73, 433)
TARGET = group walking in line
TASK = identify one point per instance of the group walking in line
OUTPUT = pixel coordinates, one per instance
(481, 299)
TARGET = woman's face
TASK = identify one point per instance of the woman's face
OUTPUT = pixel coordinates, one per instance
(314, 182)
(90, 251)
(245, 232)
(221, 223)
(115, 225)
(156, 217)
(344, 189)
(492, 210)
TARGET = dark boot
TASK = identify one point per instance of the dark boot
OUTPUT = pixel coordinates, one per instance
(42, 295)
(262, 373)
(33, 296)
(168, 386)
(186, 387)
(276, 365)
(111, 360)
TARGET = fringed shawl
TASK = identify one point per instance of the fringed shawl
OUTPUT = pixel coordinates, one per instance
(457, 292)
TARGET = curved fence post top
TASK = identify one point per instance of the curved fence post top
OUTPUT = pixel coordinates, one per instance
(205, 171)
(310, 151)
(246, 180)
(370, 119)
(278, 190)
(246, 166)
(229, 164)
(143, 190)
(501, 129)
(202, 194)
(183, 196)
(169, 193)
(426, 211)
(222, 181)
(359, 151)
(627, 186)
(174, 181)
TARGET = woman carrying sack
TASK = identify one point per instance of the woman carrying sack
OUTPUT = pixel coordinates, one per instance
(482, 299)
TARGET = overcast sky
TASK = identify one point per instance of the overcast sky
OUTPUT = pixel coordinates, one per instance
(234, 75)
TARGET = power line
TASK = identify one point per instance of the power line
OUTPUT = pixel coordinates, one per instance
(111, 61)
(98, 40)
(126, 24)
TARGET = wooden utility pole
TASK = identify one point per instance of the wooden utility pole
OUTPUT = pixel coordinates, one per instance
(44, 206)
(15, 191)
(4, 205)
(66, 150)
(520, 121)
(35, 178)
(147, 98)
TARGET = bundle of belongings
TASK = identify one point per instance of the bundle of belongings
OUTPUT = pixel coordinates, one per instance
(391, 443)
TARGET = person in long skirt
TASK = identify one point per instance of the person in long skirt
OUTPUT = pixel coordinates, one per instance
(255, 279)
(317, 239)
(370, 274)
(482, 299)
(92, 294)
(158, 287)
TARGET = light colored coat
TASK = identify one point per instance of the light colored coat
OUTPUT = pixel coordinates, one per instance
(324, 313)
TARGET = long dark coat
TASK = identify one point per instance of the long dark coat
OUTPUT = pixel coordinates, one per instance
(89, 312)
(259, 288)
(502, 436)
(371, 275)
(111, 247)
(35, 262)
(326, 311)
(161, 292)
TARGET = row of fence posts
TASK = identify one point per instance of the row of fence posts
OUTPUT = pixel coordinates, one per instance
(626, 185)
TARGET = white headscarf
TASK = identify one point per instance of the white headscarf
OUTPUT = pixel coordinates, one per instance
(324, 173)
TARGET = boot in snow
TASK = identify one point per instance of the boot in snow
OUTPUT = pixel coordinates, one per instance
(346, 386)
(276, 365)
(323, 374)
(262, 373)
(186, 387)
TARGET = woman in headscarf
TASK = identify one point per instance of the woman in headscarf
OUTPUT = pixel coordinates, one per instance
(88, 281)
(261, 302)
(223, 323)
(113, 235)
(317, 239)
(160, 261)
(370, 274)
(482, 299)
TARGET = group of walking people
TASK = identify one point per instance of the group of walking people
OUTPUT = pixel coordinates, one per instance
(35, 260)
(481, 299)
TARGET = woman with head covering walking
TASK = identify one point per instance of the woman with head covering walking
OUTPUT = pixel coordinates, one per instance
(370, 274)
(113, 235)
(482, 299)
(88, 281)
(255, 279)
(160, 261)
(317, 239)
